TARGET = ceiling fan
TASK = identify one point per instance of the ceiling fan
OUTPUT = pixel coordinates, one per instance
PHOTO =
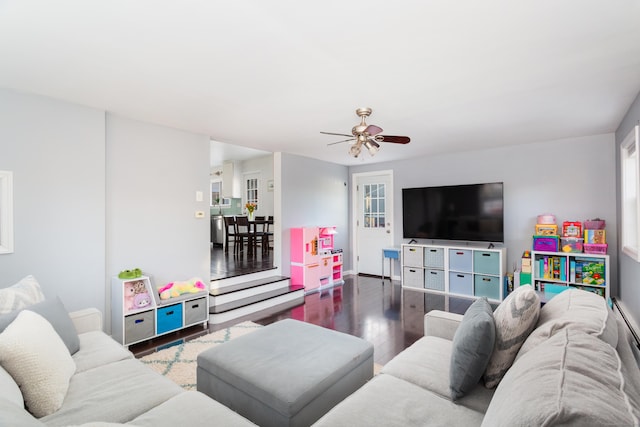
(367, 136)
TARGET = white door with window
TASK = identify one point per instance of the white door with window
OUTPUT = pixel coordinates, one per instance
(251, 191)
(373, 220)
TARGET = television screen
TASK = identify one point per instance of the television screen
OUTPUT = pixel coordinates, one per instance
(471, 212)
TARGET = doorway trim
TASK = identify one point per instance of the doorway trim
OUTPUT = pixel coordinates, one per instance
(354, 212)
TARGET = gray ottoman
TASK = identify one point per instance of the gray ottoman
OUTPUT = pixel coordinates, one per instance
(289, 373)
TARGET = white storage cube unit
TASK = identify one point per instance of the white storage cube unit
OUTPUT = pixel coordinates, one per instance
(458, 270)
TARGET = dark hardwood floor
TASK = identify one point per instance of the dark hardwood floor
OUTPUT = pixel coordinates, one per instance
(381, 312)
(229, 264)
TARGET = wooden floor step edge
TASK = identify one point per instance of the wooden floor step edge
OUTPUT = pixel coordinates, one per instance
(247, 285)
(219, 309)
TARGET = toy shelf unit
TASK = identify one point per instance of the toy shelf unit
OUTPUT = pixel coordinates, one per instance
(315, 263)
(457, 270)
(133, 324)
(553, 272)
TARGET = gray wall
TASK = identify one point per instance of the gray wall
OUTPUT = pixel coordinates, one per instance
(153, 174)
(628, 268)
(571, 178)
(314, 193)
(56, 152)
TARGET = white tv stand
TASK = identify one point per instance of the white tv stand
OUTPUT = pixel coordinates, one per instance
(469, 271)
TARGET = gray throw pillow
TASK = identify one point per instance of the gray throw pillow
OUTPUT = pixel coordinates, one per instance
(472, 347)
(55, 313)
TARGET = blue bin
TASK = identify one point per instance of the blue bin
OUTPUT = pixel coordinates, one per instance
(169, 318)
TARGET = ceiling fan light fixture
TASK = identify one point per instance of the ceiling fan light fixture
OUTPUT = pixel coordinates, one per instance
(372, 146)
(355, 149)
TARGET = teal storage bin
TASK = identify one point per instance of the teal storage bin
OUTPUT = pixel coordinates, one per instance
(169, 318)
(487, 286)
(486, 262)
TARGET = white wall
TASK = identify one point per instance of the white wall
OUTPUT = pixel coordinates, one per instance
(314, 193)
(571, 178)
(153, 174)
(56, 152)
(629, 269)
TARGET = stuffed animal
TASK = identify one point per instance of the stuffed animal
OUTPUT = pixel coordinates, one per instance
(142, 300)
(129, 295)
(175, 289)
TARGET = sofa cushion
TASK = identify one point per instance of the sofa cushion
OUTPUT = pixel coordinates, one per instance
(191, 408)
(578, 310)
(24, 293)
(515, 318)
(35, 356)
(426, 363)
(117, 393)
(472, 346)
(389, 401)
(98, 349)
(12, 415)
(53, 310)
(9, 390)
(570, 379)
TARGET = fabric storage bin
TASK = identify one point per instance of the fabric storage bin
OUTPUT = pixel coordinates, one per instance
(412, 255)
(486, 262)
(461, 283)
(195, 311)
(169, 318)
(413, 277)
(434, 257)
(487, 286)
(434, 279)
(139, 326)
(460, 260)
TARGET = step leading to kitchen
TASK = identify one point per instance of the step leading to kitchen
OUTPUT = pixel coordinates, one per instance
(233, 300)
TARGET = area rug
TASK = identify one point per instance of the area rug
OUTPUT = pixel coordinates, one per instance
(179, 362)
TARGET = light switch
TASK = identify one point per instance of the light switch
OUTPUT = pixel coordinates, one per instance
(199, 196)
(199, 214)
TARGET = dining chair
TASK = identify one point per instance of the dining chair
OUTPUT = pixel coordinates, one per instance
(243, 231)
(230, 233)
(262, 233)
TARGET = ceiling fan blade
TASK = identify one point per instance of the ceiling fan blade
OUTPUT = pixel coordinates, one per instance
(338, 142)
(339, 134)
(373, 130)
(393, 139)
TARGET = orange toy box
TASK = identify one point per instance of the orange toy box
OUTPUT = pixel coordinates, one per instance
(546, 229)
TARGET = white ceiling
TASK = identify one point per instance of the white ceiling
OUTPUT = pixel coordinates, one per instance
(270, 75)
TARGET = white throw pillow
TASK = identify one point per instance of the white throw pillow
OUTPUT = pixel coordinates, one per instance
(39, 362)
(515, 318)
(23, 294)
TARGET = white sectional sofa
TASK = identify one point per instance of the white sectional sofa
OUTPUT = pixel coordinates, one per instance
(577, 367)
(108, 385)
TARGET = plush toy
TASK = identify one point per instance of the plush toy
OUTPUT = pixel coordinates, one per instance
(142, 300)
(129, 295)
(131, 291)
(175, 289)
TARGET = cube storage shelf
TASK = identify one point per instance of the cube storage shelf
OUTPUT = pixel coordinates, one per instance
(133, 325)
(458, 270)
(554, 271)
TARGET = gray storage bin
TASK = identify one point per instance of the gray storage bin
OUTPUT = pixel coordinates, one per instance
(195, 311)
(139, 326)
(434, 257)
(413, 277)
(412, 255)
(434, 279)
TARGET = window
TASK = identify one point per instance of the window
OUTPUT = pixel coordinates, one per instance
(374, 201)
(6, 212)
(630, 199)
(216, 195)
(252, 191)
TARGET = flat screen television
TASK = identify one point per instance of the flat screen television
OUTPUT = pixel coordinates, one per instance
(472, 212)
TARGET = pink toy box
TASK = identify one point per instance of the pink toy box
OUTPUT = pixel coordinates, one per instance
(546, 243)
